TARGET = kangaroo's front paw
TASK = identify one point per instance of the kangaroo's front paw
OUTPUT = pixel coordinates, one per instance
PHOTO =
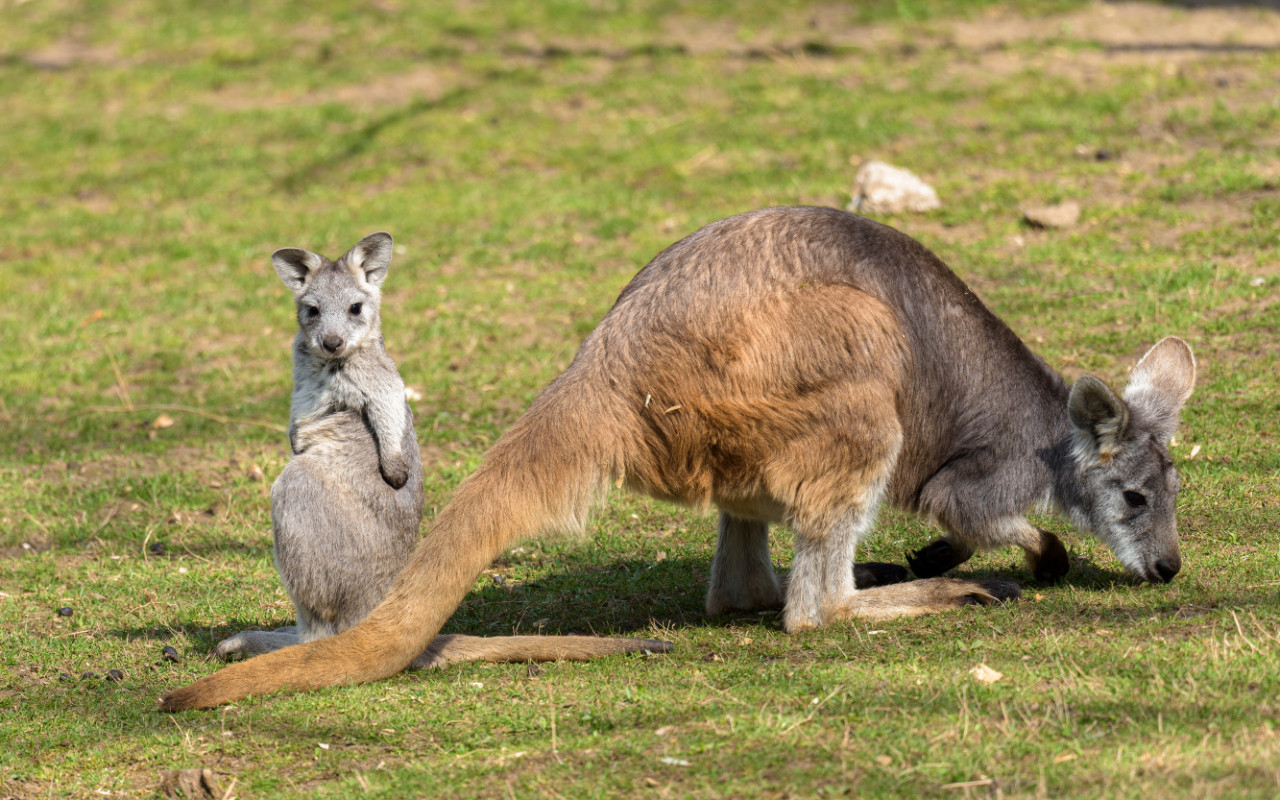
(877, 573)
(395, 471)
(1052, 563)
(937, 557)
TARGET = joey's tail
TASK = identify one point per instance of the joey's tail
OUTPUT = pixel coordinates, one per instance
(542, 475)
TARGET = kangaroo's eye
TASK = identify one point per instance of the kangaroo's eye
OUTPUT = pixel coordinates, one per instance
(355, 309)
(1135, 499)
(312, 311)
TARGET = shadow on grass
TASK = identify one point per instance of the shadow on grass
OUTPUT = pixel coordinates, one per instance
(625, 597)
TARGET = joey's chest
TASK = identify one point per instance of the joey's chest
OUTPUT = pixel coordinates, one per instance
(325, 388)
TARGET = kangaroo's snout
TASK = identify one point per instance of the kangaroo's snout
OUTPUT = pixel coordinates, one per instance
(1164, 569)
(332, 343)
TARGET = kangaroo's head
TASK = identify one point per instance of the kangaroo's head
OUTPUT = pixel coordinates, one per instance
(1126, 486)
(337, 301)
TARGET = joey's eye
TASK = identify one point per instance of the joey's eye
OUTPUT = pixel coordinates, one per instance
(355, 309)
(313, 311)
(1135, 499)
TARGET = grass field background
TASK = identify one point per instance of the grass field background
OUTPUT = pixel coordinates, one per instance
(529, 158)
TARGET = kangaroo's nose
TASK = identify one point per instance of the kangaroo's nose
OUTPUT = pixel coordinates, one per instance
(1166, 568)
(333, 343)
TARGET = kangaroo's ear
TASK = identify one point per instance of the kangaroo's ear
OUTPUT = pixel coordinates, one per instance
(372, 255)
(1099, 416)
(295, 266)
(1160, 383)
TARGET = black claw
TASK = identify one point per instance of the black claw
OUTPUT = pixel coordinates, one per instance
(1002, 589)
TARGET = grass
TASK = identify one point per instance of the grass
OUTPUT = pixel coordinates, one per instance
(529, 158)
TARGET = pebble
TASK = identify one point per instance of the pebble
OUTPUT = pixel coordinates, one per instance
(880, 188)
(1062, 215)
(65, 611)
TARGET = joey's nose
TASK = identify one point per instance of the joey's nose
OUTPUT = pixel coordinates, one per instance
(333, 343)
(1166, 568)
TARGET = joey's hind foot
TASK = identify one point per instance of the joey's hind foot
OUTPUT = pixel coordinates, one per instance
(877, 573)
(937, 557)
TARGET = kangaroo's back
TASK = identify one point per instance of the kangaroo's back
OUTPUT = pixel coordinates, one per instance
(782, 300)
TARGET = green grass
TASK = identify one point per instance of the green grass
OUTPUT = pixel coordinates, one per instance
(529, 158)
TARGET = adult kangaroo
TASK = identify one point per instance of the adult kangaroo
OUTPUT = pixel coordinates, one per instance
(798, 366)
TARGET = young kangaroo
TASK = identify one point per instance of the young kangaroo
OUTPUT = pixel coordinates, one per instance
(798, 366)
(343, 527)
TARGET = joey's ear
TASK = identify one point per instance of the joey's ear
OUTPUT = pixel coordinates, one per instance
(1160, 383)
(1099, 416)
(372, 255)
(295, 265)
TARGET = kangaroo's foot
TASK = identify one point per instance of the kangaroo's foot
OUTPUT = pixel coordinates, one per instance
(910, 599)
(456, 648)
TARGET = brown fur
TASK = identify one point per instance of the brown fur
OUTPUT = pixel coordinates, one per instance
(791, 365)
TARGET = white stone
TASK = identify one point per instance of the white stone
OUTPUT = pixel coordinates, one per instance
(881, 188)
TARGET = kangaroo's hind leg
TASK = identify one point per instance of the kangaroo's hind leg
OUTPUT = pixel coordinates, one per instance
(742, 576)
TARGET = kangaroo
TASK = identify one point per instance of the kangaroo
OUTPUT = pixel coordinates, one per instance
(800, 366)
(342, 526)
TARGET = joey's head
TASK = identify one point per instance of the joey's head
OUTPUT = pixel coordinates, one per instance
(337, 301)
(1126, 487)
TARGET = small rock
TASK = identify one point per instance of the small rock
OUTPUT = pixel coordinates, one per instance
(170, 654)
(115, 675)
(192, 784)
(880, 188)
(65, 611)
(1062, 215)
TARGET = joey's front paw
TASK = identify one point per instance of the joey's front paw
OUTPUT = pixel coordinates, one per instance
(395, 471)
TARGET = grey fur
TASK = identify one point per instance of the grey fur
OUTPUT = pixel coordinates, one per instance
(343, 528)
(339, 361)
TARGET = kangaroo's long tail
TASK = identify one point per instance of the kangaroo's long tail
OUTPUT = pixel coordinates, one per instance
(542, 475)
